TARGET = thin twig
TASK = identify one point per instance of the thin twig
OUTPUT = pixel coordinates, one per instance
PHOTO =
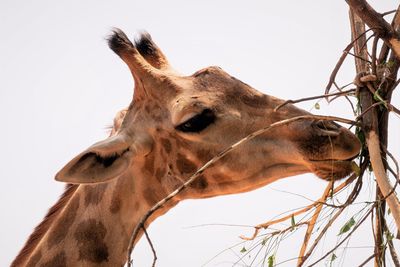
(373, 57)
(345, 96)
(393, 253)
(375, 20)
(151, 246)
(360, 58)
(367, 260)
(313, 97)
(341, 60)
(311, 224)
(353, 195)
(344, 239)
(193, 177)
(388, 12)
(303, 210)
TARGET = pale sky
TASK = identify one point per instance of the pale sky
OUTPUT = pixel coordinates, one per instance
(61, 86)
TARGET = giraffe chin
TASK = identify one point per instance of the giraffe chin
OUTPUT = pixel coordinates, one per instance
(331, 169)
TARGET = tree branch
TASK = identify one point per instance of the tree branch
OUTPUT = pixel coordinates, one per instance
(320, 201)
(190, 180)
(290, 101)
(311, 224)
(151, 246)
(344, 239)
(381, 177)
(375, 21)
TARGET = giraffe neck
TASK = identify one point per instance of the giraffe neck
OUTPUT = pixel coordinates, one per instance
(94, 227)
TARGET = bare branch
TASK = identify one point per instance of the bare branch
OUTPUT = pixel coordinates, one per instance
(367, 260)
(388, 12)
(320, 201)
(344, 239)
(380, 175)
(341, 60)
(311, 225)
(151, 246)
(393, 253)
(314, 97)
(190, 180)
(375, 21)
(349, 200)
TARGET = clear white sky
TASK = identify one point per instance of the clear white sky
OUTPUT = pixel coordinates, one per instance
(60, 87)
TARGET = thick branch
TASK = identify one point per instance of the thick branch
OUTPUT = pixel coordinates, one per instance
(377, 23)
(381, 177)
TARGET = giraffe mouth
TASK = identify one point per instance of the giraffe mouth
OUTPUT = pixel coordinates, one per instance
(332, 169)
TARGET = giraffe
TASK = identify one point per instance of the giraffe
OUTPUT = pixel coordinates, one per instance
(173, 126)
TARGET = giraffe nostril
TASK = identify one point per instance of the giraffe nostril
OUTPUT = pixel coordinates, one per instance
(327, 128)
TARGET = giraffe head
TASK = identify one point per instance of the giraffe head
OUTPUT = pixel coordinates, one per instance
(176, 123)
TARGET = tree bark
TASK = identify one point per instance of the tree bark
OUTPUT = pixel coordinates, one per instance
(377, 23)
(375, 132)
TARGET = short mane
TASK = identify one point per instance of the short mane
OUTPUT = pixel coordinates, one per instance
(42, 228)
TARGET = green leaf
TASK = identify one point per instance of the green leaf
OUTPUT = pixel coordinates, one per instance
(389, 236)
(378, 98)
(243, 250)
(317, 106)
(264, 241)
(271, 261)
(389, 211)
(333, 257)
(356, 169)
(361, 136)
(293, 223)
(390, 63)
(345, 228)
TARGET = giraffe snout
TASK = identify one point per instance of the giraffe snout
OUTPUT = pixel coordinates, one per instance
(327, 128)
(327, 140)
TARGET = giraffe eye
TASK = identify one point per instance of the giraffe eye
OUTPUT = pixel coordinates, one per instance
(197, 123)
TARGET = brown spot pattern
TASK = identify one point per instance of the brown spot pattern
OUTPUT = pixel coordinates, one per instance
(184, 165)
(255, 101)
(232, 163)
(94, 193)
(149, 163)
(59, 260)
(115, 204)
(64, 223)
(150, 196)
(221, 178)
(160, 174)
(116, 201)
(90, 236)
(204, 155)
(166, 144)
(200, 183)
(162, 155)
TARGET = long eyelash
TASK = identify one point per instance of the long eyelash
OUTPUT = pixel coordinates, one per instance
(198, 123)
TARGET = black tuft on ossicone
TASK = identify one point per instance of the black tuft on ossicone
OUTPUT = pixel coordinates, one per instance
(118, 41)
(145, 45)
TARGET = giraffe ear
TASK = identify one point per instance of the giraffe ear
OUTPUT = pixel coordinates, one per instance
(101, 162)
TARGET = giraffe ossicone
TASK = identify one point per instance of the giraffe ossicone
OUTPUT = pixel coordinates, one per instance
(173, 126)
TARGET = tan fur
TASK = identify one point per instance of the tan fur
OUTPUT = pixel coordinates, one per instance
(41, 229)
(174, 125)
